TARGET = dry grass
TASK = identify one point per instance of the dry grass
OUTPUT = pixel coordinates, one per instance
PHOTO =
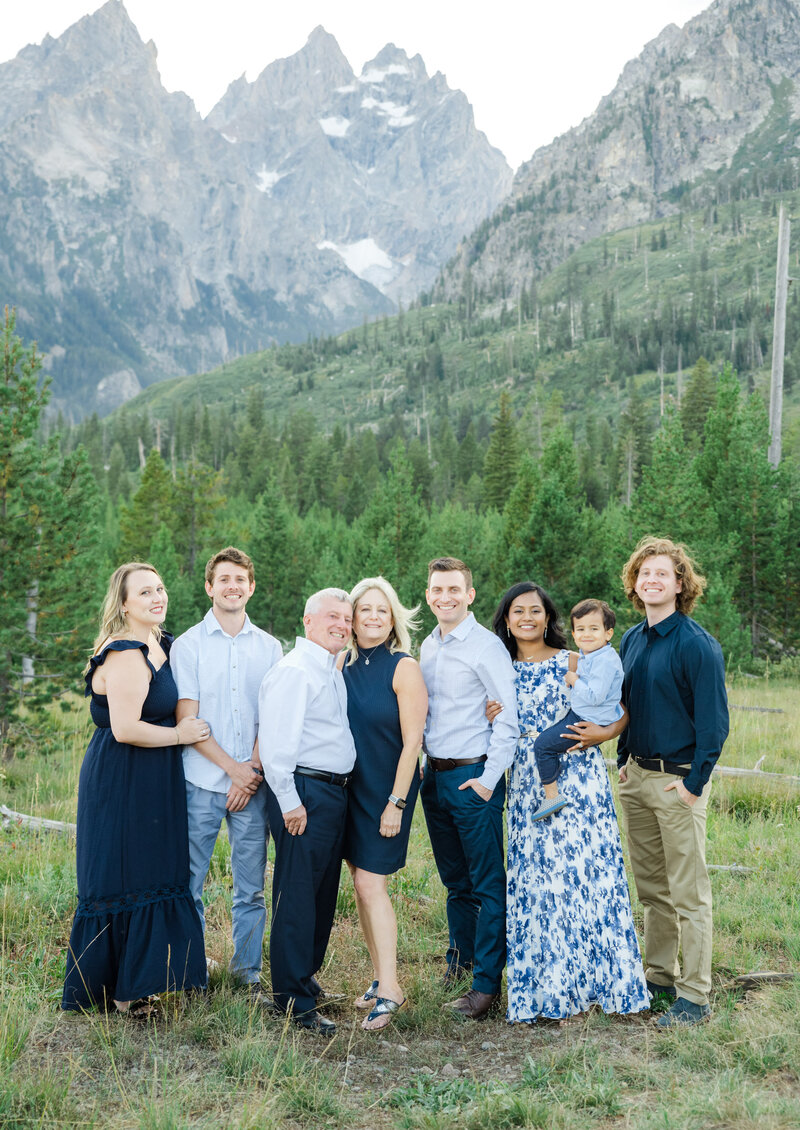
(222, 1063)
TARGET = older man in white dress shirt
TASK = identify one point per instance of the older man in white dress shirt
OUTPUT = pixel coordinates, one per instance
(308, 754)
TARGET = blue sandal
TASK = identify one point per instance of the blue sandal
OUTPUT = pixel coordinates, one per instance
(369, 996)
(382, 1007)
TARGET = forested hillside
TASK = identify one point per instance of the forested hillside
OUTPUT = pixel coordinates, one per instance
(537, 438)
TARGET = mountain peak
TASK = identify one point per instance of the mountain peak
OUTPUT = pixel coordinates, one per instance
(394, 60)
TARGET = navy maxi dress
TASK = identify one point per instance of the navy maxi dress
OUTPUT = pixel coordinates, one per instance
(375, 724)
(136, 930)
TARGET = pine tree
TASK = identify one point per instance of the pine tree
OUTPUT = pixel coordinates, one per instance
(553, 545)
(274, 606)
(751, 515)
(197, 499)
(698, 400)
(386, 539)
(502, 457)
(152, 505)
(48, 540)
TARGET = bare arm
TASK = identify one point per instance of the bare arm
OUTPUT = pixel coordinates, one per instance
(127, 681)
(412, 702)
(240, 772)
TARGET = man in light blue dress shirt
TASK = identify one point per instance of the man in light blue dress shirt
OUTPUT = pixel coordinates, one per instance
(220, 663)
(463, 790)
(308, 754)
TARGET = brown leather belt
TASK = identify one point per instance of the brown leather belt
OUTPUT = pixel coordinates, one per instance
(442, 764)
(663, 766)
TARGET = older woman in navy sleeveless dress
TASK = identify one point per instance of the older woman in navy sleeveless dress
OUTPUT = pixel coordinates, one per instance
(386, 706)
(136, 931)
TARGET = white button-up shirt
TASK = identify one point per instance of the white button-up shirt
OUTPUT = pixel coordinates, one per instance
(222, 673)
(302, 708)
(461, 672)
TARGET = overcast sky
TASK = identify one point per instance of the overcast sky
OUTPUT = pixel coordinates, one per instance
(530, 68)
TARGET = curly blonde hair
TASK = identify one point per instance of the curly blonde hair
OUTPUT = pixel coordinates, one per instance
(693, 583)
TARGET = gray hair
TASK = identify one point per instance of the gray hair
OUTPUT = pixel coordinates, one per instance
(316, 599)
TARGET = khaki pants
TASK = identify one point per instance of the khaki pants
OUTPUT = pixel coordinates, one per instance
(667, 844)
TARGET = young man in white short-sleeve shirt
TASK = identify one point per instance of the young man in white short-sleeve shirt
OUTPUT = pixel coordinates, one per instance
(218, 667)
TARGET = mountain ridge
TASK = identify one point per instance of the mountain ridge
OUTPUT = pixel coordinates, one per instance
(141, 240)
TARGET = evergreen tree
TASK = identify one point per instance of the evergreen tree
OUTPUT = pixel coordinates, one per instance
(184, 606)
(698, 400)
(197, 499)
(152, 505)
(553, 544)
(386, 538)
(750, 514)
(48, 539)
(502, 457)
(274, 604)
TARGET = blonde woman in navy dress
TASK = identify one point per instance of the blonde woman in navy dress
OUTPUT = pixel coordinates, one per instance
(136, 931)
(386, 706)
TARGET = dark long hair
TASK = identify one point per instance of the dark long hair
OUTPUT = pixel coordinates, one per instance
(554, 634)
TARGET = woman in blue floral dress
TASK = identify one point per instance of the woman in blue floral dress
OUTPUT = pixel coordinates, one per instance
(570, 935)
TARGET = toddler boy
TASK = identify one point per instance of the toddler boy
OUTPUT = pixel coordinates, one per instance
(596, 692)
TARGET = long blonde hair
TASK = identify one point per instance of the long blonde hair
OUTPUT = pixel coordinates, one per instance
(112, 618)
(404, 620)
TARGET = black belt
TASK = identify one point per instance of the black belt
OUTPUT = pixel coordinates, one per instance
(340, 779)
(663, 766)
(441, 764)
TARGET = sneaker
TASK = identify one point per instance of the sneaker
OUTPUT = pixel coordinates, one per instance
(548, 807)
(683, 1012)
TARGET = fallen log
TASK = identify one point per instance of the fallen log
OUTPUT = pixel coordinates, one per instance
(756, 980)
(732, 771)
(20, 820)
(758, 709)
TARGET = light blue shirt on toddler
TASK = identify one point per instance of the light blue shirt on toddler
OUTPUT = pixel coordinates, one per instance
(597, 693)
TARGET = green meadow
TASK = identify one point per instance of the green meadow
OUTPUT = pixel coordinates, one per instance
(221, 1062)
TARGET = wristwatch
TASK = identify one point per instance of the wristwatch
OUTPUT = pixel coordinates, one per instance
(397, 801)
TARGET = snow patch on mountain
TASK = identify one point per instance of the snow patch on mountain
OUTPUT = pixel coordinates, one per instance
(267, 179)
(334, 127)
(376, 75)
(365, 259)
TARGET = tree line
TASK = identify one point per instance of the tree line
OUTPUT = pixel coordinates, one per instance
(518, 495)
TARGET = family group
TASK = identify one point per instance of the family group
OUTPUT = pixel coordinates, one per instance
(321, 747)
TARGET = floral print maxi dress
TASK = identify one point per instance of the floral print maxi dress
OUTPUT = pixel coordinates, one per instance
(570, 935)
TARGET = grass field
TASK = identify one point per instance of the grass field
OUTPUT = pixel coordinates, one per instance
(221, 1063)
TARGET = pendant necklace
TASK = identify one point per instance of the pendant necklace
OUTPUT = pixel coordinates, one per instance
(367, 657)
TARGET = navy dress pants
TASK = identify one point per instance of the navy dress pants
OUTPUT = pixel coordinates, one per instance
(304, 889)
(466, 835)
(550, 747)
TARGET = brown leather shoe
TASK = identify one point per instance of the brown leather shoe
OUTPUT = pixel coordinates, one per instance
(474, 1005)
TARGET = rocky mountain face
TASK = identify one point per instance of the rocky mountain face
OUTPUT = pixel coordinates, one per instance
(706, 112)
(138, 240)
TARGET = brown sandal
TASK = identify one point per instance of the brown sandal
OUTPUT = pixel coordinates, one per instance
(145, 1008)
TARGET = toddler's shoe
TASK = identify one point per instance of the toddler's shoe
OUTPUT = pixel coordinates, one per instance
(548, 807)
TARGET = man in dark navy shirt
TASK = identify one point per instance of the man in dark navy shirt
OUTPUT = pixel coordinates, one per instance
(675, 694)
